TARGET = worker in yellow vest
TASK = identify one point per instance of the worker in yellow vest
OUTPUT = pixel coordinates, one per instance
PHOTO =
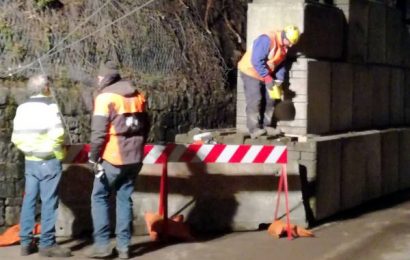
(263, 71)
(39, 133)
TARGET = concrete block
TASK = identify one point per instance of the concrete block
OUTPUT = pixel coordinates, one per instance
(407, 97)
(404, 162)
(390, 161)
(353, 180)
(328, 178)
(358, 31)
(405, 50)
(260, 19)
(372, 154)
(362, 98)
(299, 86)
(396, 91)
(341, 97)
(394, 32)
(209, 204)
(315, 28)
(376, 48)
(379, 79)
(319, 83)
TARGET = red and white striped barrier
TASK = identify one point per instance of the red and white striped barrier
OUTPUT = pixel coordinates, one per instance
(194, 153)
(215, 153)
(203, 153)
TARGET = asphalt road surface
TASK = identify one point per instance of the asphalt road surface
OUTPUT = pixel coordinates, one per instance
(378, 230)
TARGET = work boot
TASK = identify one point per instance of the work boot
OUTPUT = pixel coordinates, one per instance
(123, 254)
(28, 249)
(258, 132)
(55, 251)
(272, 131)
(99, 251)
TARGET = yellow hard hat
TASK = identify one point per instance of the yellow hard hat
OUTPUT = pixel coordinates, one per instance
(292, 33)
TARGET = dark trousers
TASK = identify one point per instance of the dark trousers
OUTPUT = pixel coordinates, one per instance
(259, 107)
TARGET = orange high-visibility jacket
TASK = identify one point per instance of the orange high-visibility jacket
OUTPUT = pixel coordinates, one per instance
(277, 54)
(119, 125)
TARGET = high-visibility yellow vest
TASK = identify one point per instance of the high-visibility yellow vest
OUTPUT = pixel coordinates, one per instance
(38, 130)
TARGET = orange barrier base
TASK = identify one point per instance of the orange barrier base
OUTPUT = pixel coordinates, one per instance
(11, 235)
(278, 228)
(174, 228)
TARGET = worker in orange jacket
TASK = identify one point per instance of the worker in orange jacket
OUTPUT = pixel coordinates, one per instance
(263, 70)
(118, 132)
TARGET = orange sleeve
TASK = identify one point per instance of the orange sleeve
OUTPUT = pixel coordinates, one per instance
(101, 104)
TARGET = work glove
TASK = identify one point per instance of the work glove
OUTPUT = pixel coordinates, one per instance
(275, 92)
(97, 168)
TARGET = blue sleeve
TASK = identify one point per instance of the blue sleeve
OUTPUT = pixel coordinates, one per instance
(260, 52)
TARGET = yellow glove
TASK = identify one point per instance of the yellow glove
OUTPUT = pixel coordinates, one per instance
(275, 92)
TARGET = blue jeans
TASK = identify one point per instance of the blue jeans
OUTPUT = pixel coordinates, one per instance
(42, 177)
(119, 179)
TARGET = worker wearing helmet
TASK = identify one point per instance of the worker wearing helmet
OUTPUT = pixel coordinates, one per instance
(263, 67)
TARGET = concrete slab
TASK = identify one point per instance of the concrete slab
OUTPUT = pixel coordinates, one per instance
(390, 161)
(341, 97)
(353, 180)
(319, 93)
(358, 31)
(373, 166)
(394, 32)
(316, 42)
(404, 162)
(396, 91)
(379, 80)
(362, 103)
(376, 48)
(328, 178)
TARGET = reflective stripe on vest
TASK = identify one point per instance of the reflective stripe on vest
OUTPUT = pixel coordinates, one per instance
(277, 54)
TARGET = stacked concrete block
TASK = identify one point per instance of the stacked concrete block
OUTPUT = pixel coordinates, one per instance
(240, 106)
(319, 93)
(376, 34)
(373, 160)
(407, 97)
(296, 93)
(379, 80)
(394, 34)
(322, 39)
(362, 103)
(390, 161)
(358, 31)
(396, 91)
(376, 48)
(353, 180)
(404, 162)
(273, 15)
(328, 178)
(341, 97)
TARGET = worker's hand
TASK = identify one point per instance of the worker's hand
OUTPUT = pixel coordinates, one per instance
(268, 82)
(97, 168)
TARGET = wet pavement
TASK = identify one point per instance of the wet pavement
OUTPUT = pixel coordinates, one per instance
(378, 230)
